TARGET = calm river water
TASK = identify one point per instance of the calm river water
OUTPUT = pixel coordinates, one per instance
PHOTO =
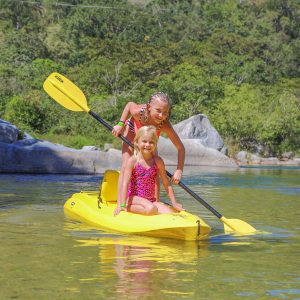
(45, 255)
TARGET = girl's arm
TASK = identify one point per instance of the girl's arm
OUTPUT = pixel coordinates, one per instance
(124, 185)
(166, 183)
(173, 136)
(128, 110)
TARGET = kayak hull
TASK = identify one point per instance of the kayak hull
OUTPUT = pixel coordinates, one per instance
(88, 208)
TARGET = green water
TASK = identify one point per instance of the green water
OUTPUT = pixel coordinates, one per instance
(44, 255)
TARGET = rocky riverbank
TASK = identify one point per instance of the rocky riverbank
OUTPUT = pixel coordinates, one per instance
(244, 158)
(204, 147)
(29, 155)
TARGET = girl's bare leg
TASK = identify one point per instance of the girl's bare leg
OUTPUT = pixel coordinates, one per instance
(141, 206)
(126, 154)
(157, 184)
(157, 188)
(164, 208)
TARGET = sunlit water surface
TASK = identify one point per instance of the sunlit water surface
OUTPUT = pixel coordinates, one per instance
(45, 255)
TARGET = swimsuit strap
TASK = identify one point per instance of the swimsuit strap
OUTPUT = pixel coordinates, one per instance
(143, 113)
(154, 165)
(130, 125)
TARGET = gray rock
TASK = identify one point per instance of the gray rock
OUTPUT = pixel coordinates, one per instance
(290, 162)
(27, 136)
(270, 161)
(90, 148)
(254, 159)
(224, 150)
(196, 154)
(107, 147)
(246, 158)
(288, 155)
(8, 132)
(297, 161)
(242, 157)
(199, 127)
(36, 156)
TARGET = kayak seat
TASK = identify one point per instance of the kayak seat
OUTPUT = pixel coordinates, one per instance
(109, 186)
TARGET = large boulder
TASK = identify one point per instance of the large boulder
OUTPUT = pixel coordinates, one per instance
(199, 127)
(196, 154)
(36, 156)
(8, 132)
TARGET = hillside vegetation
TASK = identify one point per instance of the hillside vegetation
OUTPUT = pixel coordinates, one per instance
(236, 61)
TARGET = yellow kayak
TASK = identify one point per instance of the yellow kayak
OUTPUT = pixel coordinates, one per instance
(97, 209)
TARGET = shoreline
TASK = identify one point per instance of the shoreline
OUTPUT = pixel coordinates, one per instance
(188, 170)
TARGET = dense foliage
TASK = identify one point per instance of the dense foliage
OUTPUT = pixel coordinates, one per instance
(236, 61)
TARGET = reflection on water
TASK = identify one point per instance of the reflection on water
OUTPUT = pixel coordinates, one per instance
(133, 262)
(45, 255)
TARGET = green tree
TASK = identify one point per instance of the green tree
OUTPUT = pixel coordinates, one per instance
(29, 112)
(264, 115)
(21, 48)
(191, 89)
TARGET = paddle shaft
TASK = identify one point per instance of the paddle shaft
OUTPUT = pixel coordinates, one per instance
(109, 127)
(193, 194)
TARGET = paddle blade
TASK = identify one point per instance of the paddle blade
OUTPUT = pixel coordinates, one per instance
(236, 225)
(65, 92)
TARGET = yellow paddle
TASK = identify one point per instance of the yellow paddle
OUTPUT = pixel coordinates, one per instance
(67, 94)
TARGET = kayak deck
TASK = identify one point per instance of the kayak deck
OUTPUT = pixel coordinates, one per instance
(88, 207)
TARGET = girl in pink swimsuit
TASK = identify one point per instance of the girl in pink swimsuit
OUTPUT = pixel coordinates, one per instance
(138, 189)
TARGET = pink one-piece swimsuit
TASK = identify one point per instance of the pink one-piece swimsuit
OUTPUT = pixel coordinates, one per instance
(143, 181)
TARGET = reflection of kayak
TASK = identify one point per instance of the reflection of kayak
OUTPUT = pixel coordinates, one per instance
(95, 209)
(146, 248)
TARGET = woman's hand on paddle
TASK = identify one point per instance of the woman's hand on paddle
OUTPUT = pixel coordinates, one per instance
(177, 176)
(178, 206)
(117, 130)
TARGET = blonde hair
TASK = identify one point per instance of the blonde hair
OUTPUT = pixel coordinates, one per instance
(162, 97)
(149, 129)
